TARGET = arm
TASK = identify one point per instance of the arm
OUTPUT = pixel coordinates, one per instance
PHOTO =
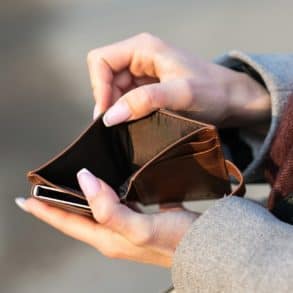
(235, 246)
(275, 72)
(238, 246)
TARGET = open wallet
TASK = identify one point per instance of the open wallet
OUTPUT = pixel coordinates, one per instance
(161, 158)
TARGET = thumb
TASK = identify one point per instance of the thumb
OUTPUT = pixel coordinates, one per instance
(108, 210)
(143, 100)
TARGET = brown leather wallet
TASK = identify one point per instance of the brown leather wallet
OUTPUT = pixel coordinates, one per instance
(163, 157)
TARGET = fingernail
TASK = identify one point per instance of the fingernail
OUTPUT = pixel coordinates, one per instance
(97, 112)
(20, 202)
(118, 113)
(89, 184)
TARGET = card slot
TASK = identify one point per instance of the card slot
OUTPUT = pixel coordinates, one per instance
(209, 156)
(189, 148)
(149, 136)
(200, 137)
(210, 178)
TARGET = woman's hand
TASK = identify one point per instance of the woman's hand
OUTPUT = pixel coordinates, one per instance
(141, 74)
(130, 79)
(117, 231)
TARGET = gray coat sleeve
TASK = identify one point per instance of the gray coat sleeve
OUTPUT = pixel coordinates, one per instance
(276, 71)
(238, 246)
(235, 246)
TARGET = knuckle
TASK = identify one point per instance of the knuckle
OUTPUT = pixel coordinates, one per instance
(146, 36)
(104, 215)
(147, 98)
(152, 97)
(149, 40)
(103, 218)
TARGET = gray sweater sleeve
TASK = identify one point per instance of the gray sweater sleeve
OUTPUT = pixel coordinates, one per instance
(237, 246)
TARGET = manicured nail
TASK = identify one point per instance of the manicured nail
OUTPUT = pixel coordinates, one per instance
(20, 202)
(118, 113)
(97, 112)
(89, 184)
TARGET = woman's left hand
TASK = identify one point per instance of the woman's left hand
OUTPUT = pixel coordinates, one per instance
(116, 230)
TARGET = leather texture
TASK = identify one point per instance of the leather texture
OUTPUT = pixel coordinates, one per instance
(163, 157)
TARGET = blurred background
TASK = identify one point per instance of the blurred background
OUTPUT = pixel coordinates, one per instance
(46, 101)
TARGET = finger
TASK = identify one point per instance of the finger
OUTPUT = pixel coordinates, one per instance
(86, 230)
(143, 100)
(123, 79)
(104, 104)
(136, 53)
(102, 64)
(96, 112)
(73, 225)
(124, 82)
(108, 210)
(104, 100)
(116, 93)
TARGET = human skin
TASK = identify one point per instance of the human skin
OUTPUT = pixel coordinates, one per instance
(130, 79)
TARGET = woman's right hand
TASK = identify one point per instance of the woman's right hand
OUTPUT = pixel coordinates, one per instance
(134, 77)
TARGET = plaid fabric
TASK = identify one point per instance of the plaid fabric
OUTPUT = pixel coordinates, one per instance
(279, 167)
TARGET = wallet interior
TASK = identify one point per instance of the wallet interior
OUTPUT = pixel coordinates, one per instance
(115, 154)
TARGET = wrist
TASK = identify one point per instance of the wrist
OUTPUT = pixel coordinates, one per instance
(248, 102)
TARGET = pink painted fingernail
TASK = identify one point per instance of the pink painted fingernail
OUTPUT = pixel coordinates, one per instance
(20, 202)
(97, 112)
(118, 113)
(89, 184)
